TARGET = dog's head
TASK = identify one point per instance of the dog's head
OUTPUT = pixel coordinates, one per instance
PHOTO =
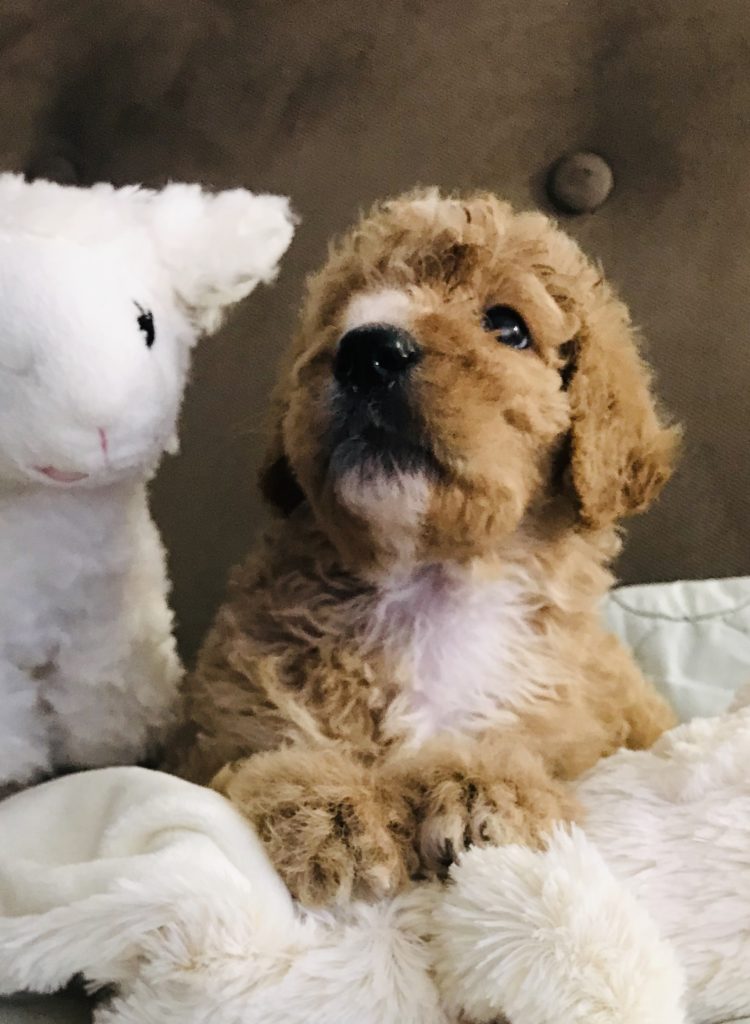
(461, 371)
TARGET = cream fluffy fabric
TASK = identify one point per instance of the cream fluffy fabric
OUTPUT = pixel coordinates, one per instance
(157, 886)
(644, 919)
(552, 937)
(103, 293)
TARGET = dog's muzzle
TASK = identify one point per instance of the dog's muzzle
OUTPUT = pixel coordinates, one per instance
(375, 425)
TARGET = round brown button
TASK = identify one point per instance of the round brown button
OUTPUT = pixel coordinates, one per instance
(580, 182)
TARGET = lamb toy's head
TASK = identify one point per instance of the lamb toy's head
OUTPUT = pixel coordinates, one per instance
(103, 292)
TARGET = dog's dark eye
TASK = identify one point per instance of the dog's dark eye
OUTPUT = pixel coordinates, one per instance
(146, 324)
(507, 326)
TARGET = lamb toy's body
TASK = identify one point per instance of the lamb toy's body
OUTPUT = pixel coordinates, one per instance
(103, 292)
(89, 668)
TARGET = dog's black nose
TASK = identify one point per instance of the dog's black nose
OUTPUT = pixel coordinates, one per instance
(374, 356)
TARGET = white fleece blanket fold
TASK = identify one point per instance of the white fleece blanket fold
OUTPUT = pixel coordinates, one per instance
(132, 877)
(74, 838)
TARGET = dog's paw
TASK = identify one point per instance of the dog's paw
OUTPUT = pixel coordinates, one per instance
(463, 800)
(331, 848)
(325, 826)
(462, 812)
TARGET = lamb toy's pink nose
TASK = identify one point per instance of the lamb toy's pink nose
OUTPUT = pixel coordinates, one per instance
(66, 476)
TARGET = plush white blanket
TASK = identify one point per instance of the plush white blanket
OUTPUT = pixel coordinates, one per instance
(134, 877)
(73, 839)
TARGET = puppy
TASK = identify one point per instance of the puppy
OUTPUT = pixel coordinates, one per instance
(414, 660)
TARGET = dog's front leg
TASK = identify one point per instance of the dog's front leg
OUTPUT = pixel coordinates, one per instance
(469, 792)
(333, 831)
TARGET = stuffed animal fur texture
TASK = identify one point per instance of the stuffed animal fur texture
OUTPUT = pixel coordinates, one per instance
(104, 292)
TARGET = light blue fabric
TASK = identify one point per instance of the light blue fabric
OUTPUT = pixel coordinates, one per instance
(692, 639)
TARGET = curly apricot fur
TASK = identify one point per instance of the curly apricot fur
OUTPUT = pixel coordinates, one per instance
(300, 701)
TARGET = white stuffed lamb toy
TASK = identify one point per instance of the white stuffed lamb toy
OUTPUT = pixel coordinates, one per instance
(103, 292)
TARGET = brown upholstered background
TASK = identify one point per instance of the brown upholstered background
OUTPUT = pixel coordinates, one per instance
(337, 102)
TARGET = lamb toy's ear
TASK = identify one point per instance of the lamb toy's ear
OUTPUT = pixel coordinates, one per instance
(218, 246)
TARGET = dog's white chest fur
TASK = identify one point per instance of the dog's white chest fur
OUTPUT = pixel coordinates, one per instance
(457, 645)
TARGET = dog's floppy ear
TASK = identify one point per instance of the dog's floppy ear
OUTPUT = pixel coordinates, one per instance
(621, 449)
(278, 484)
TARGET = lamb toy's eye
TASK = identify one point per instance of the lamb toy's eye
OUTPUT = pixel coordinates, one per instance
(146, 324)
(508, 326)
